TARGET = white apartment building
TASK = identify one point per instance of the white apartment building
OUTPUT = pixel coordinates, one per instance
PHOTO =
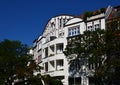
(49, 46)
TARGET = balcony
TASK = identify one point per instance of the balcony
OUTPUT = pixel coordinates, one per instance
(54, 67)
(55, 73)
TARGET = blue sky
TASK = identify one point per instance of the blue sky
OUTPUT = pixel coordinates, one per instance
(24, 20)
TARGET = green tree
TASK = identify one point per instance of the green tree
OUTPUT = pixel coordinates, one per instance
(51, 81)
(87, 14)
(100, 48)
(94, 52)
(15, 62)
(113, 52)
(18, 66)
(90, 50)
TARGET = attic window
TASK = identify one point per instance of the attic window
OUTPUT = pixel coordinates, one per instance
(96, 26)
(89, 28)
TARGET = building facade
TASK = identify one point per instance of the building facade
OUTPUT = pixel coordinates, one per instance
(49, 46)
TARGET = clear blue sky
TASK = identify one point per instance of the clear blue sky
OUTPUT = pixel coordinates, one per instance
(24, 20)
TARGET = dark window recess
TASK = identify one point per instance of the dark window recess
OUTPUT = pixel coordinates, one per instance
(52, 38)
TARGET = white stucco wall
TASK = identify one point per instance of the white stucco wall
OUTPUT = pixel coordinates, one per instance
(43, 42)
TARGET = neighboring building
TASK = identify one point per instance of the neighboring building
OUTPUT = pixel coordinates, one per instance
(49, 46)
(114, 18)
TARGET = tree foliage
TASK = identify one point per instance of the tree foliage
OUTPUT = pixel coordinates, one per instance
(100, 48)
(13, 57)
(17, 66)
(113, 52)
(51, 81)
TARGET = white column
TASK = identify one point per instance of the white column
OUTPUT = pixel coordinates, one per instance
(55, 49)
(61, 22)
(55, 64)
(66, 68)
(48, 51)
(49, 66)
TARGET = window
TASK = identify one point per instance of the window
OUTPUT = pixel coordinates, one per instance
(59, 48)
(96, 26)
(46, 52)
(61, 34)
(64, 21)
(60, 64)
(90, 28)
(60, 22)
(69, 33)
(78, 31)
(74, 31)
(39, 58)
(46, 67)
